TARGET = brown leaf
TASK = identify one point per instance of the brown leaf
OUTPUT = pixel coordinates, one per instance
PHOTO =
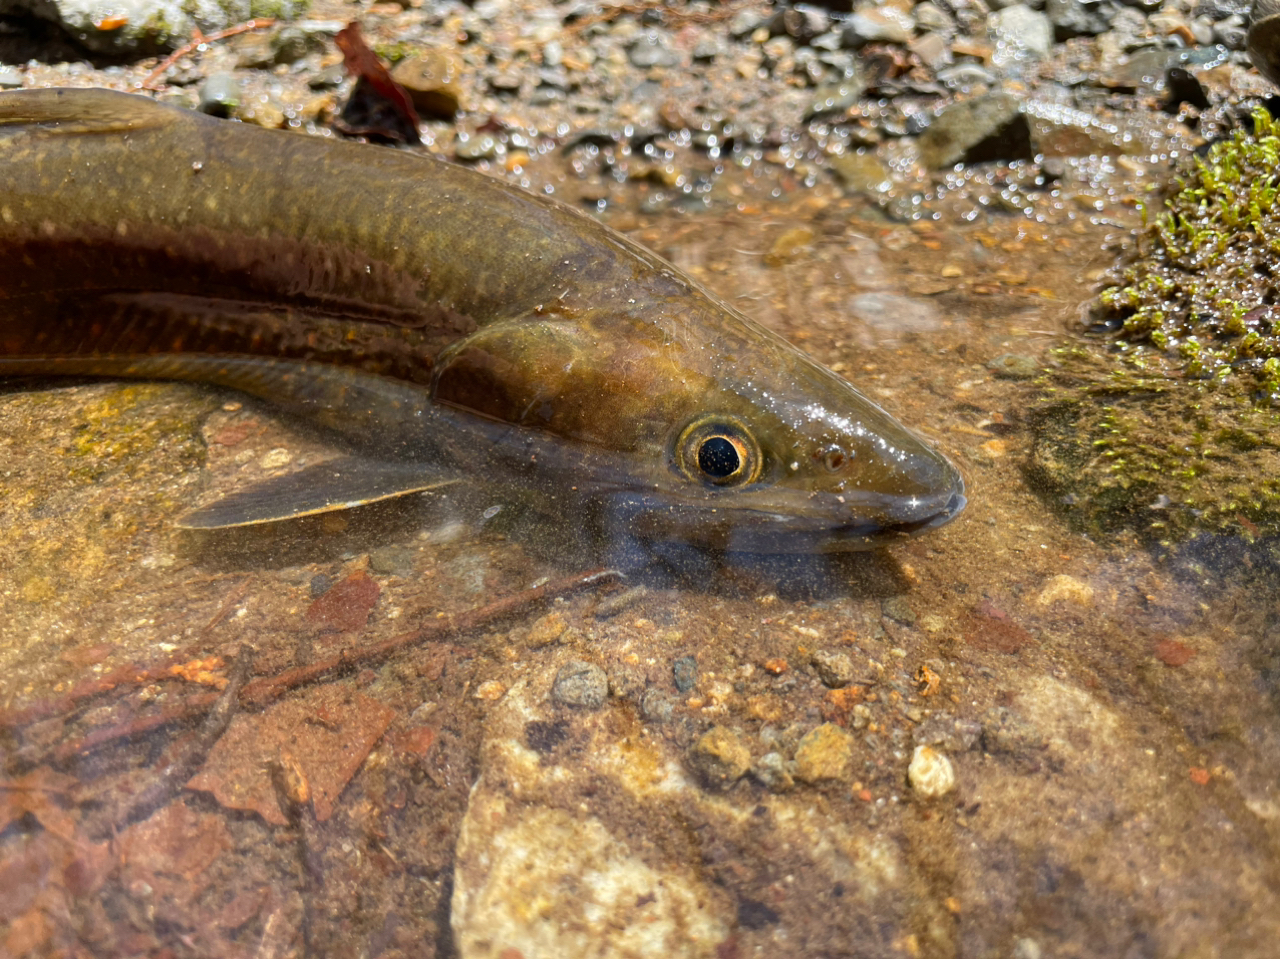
(34, 793)
(329, 730)
(990, 628)
(176, 841)
(345, 605)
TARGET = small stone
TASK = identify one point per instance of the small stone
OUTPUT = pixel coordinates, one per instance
(720, 757)
(393, 560)
(265, 114)
(433, 80)
(276, 459)
(835, 98)
(685, 672)
(10, 78)
(657, 706)
(1014, 366)
(862, 172)
(878, 25)
(546, 630)
(835, 669)
(790, 244)
(824, 753)
(1005, 731)
(931, 774)
(320, 584)
(651, 50)
(219, 95)
(475, 146)
(1068, 589)
(771, 770)
(490, 690)
(1021, 31)
(579, 683)
(775, 667)
(899, 610)
(991, 127)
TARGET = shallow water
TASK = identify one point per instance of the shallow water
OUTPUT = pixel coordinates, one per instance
(1111, 715)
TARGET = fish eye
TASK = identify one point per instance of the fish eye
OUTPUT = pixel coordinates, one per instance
(834, 459)
(719, 451)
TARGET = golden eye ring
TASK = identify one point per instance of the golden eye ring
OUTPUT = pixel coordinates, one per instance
(719, 451)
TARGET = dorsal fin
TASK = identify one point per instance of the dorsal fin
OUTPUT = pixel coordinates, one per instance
(82, 111)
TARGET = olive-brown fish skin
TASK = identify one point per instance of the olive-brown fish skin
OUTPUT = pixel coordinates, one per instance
(429, 313)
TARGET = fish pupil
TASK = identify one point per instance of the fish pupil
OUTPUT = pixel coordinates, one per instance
(718, 457)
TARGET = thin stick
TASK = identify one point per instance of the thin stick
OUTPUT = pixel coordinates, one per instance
(151, 82)
(262, 692)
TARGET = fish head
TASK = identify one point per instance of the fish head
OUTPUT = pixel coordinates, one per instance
(723, 436)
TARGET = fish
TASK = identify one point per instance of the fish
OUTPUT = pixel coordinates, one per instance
(439, 325)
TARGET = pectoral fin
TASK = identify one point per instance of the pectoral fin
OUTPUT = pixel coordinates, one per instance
(340, 483)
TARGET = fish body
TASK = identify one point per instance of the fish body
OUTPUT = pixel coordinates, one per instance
(440, 321)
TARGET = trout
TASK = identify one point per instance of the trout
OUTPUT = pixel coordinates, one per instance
(440, 324)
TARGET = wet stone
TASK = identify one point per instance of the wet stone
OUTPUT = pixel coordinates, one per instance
(1014, 366)
(657, 706)
(824, 754)
(651, 50)
(320, 584)
(220, 95)
(835, 98)
(719, 757)
(685, 673)
(432, 79)
(579, 683)
(931, 774)
(835, 669)
(546, 630)
(1005, 731)
(987, 128)
(475, 146)
(1023, 29)
(862, 172)
(394, 560)
(10, 78)
(899, 609)
(772, 772)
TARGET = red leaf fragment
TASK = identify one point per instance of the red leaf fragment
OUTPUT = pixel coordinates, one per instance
(991, 628)
(346, 605)
(329, 751)
(373, 76)
(1173, 653)
(1199, 775)
(176, 841)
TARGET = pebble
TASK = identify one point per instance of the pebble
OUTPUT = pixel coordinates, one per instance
(835, 669)
(789, 245)
(991, 127)
(1022, 31)
(1064, 588)
(219, 95)
(490, 690)
(772, 772)
(579, 683)
(898, 609)
(1014, 366)
(393, 560)
(719, 757)
(862, 173)
(1005, 731)
(275, 459)
(433, 79)
(930, 773)
(475, 146)
(10, 78)
(657, 706)
(823, 754)
(546, 630)
(685, 673)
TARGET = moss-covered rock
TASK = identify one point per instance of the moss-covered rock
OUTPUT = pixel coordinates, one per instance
(1169, 424)
(1201, 286)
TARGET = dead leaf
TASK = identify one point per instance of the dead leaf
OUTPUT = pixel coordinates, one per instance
(1173, 653)
(329, 730)
(346, 605)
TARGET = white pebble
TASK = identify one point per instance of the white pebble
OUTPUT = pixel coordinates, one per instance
(931, 774)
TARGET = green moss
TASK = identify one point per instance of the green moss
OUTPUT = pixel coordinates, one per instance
(1202, 284)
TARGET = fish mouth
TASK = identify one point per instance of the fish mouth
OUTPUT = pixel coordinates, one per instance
(820, 523)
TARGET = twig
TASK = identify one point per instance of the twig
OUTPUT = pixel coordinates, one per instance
(170, 780)
(293, 793)
(266, 690)
(198, 40)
